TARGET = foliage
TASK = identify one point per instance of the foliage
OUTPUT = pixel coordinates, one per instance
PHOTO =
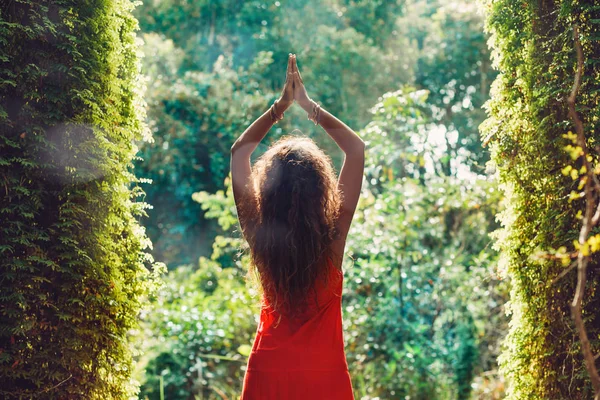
(313, 29)
(74, 257)
(195, 118)
(200, 327)
(455, 67)
(214, 67)
(534, 52)
(422, 306)
(410, 301)
(421, 298)
(203, 320)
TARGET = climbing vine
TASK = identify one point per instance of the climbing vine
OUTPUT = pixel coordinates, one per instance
(74, 270)
(548, 180)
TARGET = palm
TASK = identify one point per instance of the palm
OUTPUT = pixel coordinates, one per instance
(300, 94)
(287, 94)
(294, 89)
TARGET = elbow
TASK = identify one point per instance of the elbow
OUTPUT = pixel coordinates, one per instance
(361, 145)
(235, 147)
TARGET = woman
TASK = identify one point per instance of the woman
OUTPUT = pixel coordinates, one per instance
(296, 217)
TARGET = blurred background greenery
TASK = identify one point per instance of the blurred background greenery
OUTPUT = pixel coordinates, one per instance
(423, 303)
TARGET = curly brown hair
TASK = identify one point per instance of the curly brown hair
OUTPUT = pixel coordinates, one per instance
(296, 205)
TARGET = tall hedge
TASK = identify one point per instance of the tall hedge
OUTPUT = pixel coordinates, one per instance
(73, 266)
(534, 50)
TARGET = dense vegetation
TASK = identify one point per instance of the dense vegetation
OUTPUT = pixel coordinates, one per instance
(213, 67)
(425, 284)
(539, 169)
(73, 255)
(423, 305)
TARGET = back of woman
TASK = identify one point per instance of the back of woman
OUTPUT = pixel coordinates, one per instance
(295, 215)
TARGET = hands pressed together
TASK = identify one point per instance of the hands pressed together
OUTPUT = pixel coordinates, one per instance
(294, 89)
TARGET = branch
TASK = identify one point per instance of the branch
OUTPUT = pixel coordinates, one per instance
(562, 274)
(58, 384)
(589, 221)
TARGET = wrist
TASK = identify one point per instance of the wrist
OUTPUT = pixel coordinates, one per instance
(306, 104)
(282, 105)
(277, 110)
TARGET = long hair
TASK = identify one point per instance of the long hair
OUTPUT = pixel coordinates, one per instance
(297, 205)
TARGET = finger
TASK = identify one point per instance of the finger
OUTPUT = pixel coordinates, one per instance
(297, 70)
(290, 65)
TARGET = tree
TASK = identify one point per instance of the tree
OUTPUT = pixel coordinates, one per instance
(422, 306)
(453, 64)
(422, 298)
(74, 267)
(528, 125)
(195, 117)
(423, 309)
(214, 67)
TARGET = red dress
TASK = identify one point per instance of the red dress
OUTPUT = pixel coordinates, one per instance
(302, 358)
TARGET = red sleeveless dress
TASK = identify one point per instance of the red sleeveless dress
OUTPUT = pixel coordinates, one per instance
(301, 358)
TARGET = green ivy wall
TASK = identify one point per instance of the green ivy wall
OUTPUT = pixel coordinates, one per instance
(73, 266)
(533, 48)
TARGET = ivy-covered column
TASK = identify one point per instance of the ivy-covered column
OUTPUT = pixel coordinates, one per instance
(528, 130)
(73, 266)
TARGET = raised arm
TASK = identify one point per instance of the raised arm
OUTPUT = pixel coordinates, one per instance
(244, 146)
(351, 174)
